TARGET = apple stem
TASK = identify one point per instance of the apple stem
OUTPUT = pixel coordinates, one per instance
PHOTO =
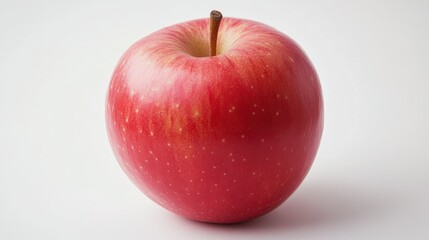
(215, 18)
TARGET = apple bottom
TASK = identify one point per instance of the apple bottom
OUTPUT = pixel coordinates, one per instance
(236, 188)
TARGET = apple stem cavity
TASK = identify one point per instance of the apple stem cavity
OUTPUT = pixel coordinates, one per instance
(215, 18)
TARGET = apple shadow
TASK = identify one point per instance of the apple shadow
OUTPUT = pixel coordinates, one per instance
(314, 206)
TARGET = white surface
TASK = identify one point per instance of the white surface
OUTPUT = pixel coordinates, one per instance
(59, 178)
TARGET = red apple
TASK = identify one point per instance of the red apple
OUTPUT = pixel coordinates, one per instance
(223, 138)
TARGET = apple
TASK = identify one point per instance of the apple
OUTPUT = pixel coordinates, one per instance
(215, 120)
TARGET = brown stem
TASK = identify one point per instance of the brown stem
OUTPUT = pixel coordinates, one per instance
(215, 18)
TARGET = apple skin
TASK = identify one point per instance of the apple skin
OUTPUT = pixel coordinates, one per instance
(219, 139)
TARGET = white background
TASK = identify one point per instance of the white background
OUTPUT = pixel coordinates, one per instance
(60, 180)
